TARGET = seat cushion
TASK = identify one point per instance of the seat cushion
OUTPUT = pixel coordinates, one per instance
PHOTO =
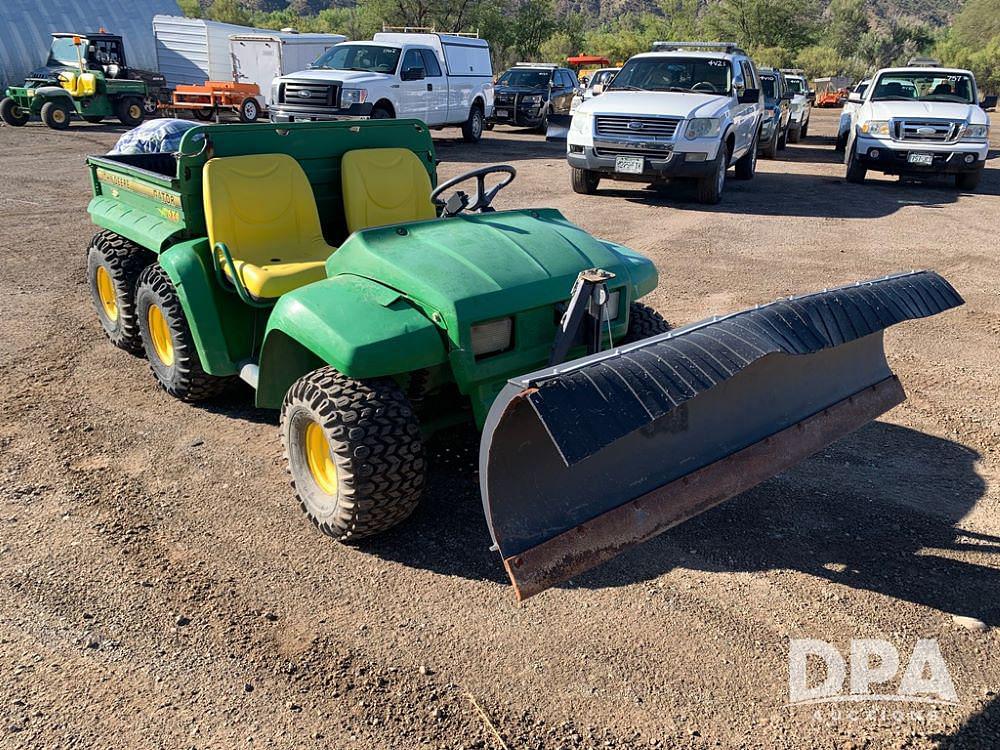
(263, 209)
(384, 186)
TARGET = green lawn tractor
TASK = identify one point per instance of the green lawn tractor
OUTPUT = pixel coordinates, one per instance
(85, 75)
(323, 265)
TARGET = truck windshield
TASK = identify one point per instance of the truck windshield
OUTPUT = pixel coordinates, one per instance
(63, 52)
(370, 58)
(523, 78)
(924, 86)
(796, 85)
(698, 75)
(767, 83)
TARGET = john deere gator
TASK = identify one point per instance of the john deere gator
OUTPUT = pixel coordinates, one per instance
(324, 265)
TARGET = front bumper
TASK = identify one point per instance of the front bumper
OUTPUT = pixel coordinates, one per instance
(892, 157)
(287, 113)
(659, 165)
(530, 115)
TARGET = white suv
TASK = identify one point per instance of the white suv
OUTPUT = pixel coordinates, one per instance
(684, 110)
(801, 105)
(919, 121)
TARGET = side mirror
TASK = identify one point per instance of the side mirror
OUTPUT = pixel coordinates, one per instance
(854, 98)
(748, 96)
(811, 96)
(413, 74)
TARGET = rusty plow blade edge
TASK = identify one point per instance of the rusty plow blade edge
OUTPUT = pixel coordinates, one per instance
(581, 461)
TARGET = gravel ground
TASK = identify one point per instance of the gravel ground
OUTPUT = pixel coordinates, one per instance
(160, 588)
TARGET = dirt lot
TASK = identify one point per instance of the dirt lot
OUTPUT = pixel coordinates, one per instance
(160, 588)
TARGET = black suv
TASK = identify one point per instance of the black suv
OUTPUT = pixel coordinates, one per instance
(529, 92)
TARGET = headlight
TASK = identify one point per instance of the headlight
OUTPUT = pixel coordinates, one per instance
(611, 309)
(492, 337)
(352, 96)
(875, 127)
(702, 127)
(275, 85)
(976, 133)
(533, 99)
(582, 123)
(576, 102)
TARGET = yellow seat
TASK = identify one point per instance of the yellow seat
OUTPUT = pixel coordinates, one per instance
(78, 84)
(264, 211)
(384, 186)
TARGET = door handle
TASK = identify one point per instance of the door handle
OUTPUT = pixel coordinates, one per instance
(430, 86)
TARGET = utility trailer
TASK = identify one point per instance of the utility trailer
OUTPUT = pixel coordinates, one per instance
(208, 101)
(324, 265)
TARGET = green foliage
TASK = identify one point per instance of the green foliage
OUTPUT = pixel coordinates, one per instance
(228, 11)
(190, 8)
(820, 60)
(978, 23)
(848, 21)
(762, 23)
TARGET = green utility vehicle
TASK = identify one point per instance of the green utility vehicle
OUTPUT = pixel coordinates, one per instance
(319, 263)
(86, 75)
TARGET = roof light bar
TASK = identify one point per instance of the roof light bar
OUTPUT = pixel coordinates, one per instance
(729, 47)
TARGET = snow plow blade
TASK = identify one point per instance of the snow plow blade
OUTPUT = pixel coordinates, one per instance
(581, 461)
(558, 128)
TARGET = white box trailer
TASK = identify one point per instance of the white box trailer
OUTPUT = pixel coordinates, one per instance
(193, 50)
(261, 57)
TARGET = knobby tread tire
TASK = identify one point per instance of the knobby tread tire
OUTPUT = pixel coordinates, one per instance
(125, 261)
(377, 446)
(643, 322)
(185, 379)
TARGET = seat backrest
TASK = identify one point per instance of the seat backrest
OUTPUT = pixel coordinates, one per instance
(87, 85)
(259, 206)
(384, 186)
(68, 80)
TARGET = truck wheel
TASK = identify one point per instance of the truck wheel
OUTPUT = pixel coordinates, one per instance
(805, 129)
(12, 114)
(643, 322)
(354, 452)
(793, 134)
(783, 140)
(166, 339)
(129, 111)
(770, 151)
(204, 114)
(746, 165)
(56, 115)
(249, 110)
(968, 180)
(113, 268)
(856, 172)
(584, 181)
(709, 188)
(472, 129)
(841, 145)
(381, 113)
(150, 106)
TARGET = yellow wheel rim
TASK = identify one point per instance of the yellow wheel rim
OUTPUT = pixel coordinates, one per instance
(159, 332)
(320, 460)
(106, 294)
(58, 116)
(135, 111)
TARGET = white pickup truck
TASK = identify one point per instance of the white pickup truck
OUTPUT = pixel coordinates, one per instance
(919, 121)
(686, 110)
(442, 79)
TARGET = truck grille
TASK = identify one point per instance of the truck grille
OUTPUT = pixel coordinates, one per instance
(639, 127)
(309, 94)
(927, 131)
(644, 150)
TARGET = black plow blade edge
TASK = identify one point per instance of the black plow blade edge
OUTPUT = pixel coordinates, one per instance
(581, 461)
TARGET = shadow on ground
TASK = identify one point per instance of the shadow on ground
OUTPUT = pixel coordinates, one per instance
(877, 511)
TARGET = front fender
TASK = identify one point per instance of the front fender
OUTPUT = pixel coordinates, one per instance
(52, 92)
(359, 327)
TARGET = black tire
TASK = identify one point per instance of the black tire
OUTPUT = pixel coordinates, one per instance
(371, 437)
(205, 115)
(783, 140)
(841, 145)
(381, 112)
(856, 172)
(122, 262)
(93, 119)
(12, 114)
(182, 375)
(793, 134)
(805, 130)
(709, 188)
(968, 180)
(584, 181)
(150, 106)
(770, 151)
(56, 115)
(249, 110)
(129, 111)
(746, 165)
(472, 129)
(643, 322)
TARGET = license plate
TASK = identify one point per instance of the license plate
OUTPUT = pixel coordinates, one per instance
(629, 164)
(503, 113)
(922, 159)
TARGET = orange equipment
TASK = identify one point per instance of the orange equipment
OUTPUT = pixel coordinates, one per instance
(207, 100)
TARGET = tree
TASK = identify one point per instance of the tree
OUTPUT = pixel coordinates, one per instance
(763, 23)
(228, 11)
(848, 21)
(534, 22)
(978, 23)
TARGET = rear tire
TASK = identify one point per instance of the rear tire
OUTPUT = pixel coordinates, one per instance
(114, 265)
(12, 114)
(793, 134)
(167, 341)
(584, 181)
(643, 322)
(856, 172)
(968, 180)
(770, 151)
(709, 188)
(354, 452)
(249, 110)
(472, 129)
(205, 115)
(783, 140)
(129, 111)
(56, 115)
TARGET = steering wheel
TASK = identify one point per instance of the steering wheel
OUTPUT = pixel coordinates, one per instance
(460, 201)
(706, 83)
